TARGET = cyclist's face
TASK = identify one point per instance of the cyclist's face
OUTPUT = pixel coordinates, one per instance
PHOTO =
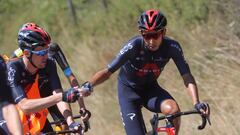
(153, 39)
(39, 56)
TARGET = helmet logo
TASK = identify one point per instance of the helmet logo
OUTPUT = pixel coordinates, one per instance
(151, 16)
(24, 34)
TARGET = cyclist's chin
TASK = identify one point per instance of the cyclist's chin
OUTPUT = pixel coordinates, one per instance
(153, 48)
(41, 66)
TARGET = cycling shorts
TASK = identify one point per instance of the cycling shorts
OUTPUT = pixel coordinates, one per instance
(132, 100)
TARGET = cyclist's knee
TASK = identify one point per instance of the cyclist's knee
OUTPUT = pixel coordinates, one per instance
(169, 106)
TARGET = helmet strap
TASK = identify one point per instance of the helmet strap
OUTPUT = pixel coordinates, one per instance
(30, 60)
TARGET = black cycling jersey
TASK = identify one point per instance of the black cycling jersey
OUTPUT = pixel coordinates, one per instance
(44, 86)
(141, 67)
(137, 79)
(20, 79)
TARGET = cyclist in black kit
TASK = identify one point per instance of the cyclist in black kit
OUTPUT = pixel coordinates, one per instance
(141, 61)
(23, 74)
(56, 53)
(9, 118)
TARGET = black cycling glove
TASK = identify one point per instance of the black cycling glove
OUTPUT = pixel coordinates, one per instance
(87, 86)
(199, 106)
(76, 126)
(70, 96)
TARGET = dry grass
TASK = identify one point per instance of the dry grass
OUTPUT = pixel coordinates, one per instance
(211, 48)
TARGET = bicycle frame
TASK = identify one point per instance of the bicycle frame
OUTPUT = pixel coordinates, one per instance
(169, 128)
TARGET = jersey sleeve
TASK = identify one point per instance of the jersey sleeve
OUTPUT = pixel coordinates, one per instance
(178, 58)
(4, 87)
(14, 82)
(53, 77)
(126, 53)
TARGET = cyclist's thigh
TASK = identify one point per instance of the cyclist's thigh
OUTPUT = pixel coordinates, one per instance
(47, 127)
(3, 126)
(130, 105)
(154, 96)
(55, 113)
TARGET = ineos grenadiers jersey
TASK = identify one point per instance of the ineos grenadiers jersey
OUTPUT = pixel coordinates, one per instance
(5, 92)
(20, 80)
(141, 67)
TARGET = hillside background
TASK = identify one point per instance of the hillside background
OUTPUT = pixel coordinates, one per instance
(208, 30)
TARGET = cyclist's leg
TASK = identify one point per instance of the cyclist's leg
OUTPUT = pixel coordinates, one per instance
(3, 125)
(57, 115)
(159, 100)
(47, 127)
(13, 122)
(130, 110)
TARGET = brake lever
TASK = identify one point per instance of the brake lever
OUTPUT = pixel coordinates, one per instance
(208, 120)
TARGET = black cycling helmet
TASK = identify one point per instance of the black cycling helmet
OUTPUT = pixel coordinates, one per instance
(152, 20)
(31, 35)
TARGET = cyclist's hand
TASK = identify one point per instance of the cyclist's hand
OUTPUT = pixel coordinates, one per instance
(76, 126)
(204, 108)
(86, 89)
(71, 95)
(85, 114)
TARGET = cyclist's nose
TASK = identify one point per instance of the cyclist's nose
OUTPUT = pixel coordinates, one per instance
(151, 41)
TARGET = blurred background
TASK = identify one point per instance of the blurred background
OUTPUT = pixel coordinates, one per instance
(91, 32)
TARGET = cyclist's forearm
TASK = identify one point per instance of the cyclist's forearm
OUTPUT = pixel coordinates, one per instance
(73, 81)
(65, 109)
(191, 85)
(100, 77)
(193, 92)
(34, 105)
(11, 116)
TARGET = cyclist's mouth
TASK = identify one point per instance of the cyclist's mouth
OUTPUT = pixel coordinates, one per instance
(152, 47)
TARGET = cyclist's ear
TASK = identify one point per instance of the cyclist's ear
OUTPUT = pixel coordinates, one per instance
(26, 53)
(164, 31)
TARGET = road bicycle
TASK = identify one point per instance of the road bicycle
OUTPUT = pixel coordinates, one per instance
(169, 128)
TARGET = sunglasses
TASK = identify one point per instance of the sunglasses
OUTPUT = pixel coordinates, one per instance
(41, 52)
(155, 35)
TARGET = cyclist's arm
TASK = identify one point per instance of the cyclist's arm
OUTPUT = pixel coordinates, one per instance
(191, 86)
(126, 53)
(11, 116)
(73, 81)
(183, 67)
(100, 76)
(34, 105)
(64, 108)
(55, 85)
(58, 55)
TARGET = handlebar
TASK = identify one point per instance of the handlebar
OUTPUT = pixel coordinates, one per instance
(86, 123)
(173, 116)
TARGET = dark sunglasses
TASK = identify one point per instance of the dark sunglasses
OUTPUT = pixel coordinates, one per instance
(155, 35)
(40, 53)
